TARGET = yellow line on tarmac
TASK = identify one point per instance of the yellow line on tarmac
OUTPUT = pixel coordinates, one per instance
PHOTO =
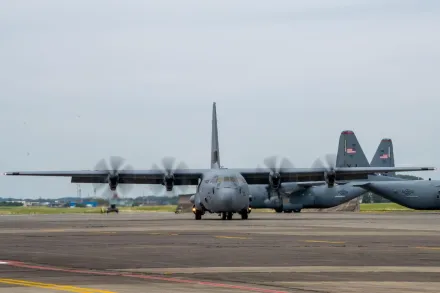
(231, 237)
(52, 286)
(323, 241)
(427, 247)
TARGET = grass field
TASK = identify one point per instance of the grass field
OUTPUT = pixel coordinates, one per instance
(382, 207)
(366, 207)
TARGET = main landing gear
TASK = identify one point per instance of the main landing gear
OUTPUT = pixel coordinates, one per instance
(111, 209)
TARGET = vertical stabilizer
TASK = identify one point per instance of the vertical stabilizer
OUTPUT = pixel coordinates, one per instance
(215, 151)
(384, 156)
(350, 153)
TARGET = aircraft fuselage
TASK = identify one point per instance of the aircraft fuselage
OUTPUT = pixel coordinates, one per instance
(413, 194)
(222, 191)
(314, 197)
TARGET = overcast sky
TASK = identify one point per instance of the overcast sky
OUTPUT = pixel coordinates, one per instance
(83, 80)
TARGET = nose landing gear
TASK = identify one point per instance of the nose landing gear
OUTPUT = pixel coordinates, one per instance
(226, 216)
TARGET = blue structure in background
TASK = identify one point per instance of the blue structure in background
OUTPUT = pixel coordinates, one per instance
(92, 204)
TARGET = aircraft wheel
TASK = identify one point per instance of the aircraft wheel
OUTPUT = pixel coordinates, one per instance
(244, 216)
(229, 216)
(198, 215)
(287, 211)
(223, 216)
(297, 211)
(279, 210)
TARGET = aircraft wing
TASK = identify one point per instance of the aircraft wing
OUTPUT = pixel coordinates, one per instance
(254, 176)
(191, 176)
(181, 177)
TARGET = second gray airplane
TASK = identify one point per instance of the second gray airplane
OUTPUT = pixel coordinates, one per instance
(413, 194)
(313, 195)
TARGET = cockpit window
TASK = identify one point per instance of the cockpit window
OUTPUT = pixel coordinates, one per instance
(227, 181)
(222, 179)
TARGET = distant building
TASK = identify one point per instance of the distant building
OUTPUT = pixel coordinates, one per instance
(89, 204)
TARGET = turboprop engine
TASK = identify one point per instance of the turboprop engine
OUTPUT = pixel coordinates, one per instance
(168, 168)
(113, 181)
(168, 182)
(330, 178)
(274, 180)
(113, 167)
(329, 164)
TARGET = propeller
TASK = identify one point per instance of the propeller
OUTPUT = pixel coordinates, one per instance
(113, 166)
(329, 164)
(274, 164)
(168, 168)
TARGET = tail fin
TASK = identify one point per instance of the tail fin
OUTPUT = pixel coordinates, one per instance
(350, 153)
(384, 156)
(215, 151)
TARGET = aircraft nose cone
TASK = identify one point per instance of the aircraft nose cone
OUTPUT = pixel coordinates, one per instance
(227, 198)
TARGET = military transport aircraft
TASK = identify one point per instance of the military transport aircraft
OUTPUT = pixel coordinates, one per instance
(413, 194)
(296, 196)
(219, 190)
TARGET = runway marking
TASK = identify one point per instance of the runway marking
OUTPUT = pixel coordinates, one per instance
(52, 230)
(144, 277)
(323, 241)
(3, 263)
(287, 269)
(52, 286)
(231, 237)
(428, 247)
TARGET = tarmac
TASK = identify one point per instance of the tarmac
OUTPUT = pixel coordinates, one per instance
(269, 253)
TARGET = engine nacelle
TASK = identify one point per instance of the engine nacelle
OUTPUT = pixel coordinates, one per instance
(275, 180)
(113, 182)
(168, 181)
(330, 178)
(273, 202)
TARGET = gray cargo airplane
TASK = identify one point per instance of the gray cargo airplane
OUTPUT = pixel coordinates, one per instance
(219, 190)
(294, 197)
(413, 194)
